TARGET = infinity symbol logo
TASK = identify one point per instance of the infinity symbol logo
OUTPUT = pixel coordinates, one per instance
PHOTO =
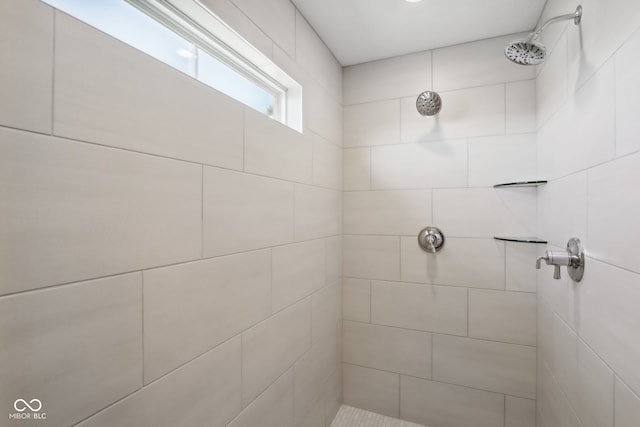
(25, 405)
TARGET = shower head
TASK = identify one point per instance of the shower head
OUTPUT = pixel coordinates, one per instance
(526, 52)
(429, 103)
(530, 52)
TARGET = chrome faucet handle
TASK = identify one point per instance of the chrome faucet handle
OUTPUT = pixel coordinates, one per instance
(556, 272)
(545, 257)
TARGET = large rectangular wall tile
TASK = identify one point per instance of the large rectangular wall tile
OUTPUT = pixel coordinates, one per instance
(94, 102)
(323, 114)
(445, 405)
(356, 300)
(274, 149)
(185, 388)
(273, 408)
(450, 266)
(326, 312)
(357, 168)
(298, 271)
(72, 211)
(595, 385)
(403, 212)
(26, 65)
(520, 269)
(333, 271)
(502, 316)
(613, 210)
(476, 64)
(236, 208)
(59, 343)
(191, 308)
(313, 56)
(466, 113)
(496, 212)
(562, 209)
(487, 365)
(327, 163)
(390, 78)
(318, 212)
(608, 318)
(423, 307)
(276, 18)
(372, 257)
(271, 347)
(403, 166)
(552, 403)
(627, 406)
(552, 86)
(499, 159)
(311, 372)
(521, 107)
(374, 123)
(627, 64)
(519, 412)
(390, 349)
(371, 389)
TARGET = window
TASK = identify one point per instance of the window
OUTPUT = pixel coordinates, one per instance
(188, 37)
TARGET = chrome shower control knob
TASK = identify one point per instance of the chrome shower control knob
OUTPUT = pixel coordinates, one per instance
(431, 239)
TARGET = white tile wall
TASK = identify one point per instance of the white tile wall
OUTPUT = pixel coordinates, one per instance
(503, 316)
(371, 389)
(357, 168)
(501, 159)
(273, 408)
(487, 270)
(487, 365)
(614, 200)
(521, 107)
(584, 105)
(100, 320)
(26, 65)
(134, 186)
(372, 257)
(440, 309)
(276, 18)
(407, 75)
(427, 165)
(402, 212)
(191, 308)
(374, 123)
(627, 405)
(271, 347)
(298, 271)
(519, 412)
(74, 211)
(479, 63)
(627, 63)
(94, 103)
(235, 208)
(184, 388)
(520, 269)
(367, 345)
(478, 111)
(496, 212)
(273, 149)
(438, 404)
(356, 300)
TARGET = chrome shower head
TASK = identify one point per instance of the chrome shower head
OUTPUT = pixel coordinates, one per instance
(526, 52)
(429, 103)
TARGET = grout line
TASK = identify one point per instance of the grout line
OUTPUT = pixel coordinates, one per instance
(53, 70)
(202, 213)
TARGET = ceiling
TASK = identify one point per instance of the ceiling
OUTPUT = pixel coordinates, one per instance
(365, 30)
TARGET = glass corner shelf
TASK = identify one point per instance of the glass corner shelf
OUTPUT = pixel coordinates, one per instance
(521, 239)
(521, 184)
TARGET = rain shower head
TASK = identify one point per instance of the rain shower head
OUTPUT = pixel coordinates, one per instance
(526, 52)
(530, 52)
(429, 103)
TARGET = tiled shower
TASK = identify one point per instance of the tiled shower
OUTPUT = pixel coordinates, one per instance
(170, 257)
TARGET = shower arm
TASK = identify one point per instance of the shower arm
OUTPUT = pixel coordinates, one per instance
(576, 16)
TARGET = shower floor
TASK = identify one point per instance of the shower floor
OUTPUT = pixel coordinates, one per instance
(349, 416)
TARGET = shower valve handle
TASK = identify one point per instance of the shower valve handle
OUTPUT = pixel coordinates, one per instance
(573, 258)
